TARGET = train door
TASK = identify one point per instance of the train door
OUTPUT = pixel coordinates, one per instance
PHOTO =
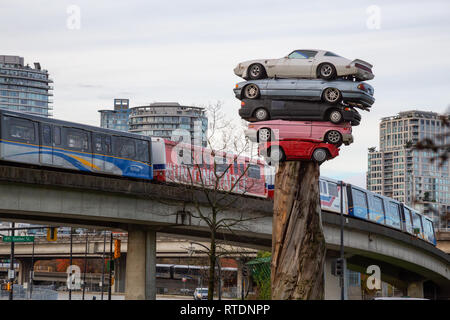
(417, 224)
(376, 211)
(58, 160)
(98, 152)
(407, 220)
(46, 145)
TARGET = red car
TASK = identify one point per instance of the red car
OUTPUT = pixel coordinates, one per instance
(297, 149)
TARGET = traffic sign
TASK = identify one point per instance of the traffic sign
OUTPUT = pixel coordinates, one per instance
(18, 238)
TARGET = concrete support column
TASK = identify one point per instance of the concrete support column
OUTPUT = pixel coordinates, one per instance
(24, 271)
(415, 289)
(332, 286)
(140, 275)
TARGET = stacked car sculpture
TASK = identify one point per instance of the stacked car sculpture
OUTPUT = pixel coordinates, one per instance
(302, 106)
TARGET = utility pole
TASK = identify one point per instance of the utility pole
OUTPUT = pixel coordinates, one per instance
(70, 263)
(32, 272)
(11, 276)
(342, 277)
(103, 261)
(110, 266)
(85, 265)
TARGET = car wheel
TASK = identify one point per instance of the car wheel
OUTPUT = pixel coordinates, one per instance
(256, 71)
(320, 155)
(335, 116)
(332, 95)
(251, 91)
(264, 135)
(333, 137)
(276, 154)
(261, 114)
(326, 71)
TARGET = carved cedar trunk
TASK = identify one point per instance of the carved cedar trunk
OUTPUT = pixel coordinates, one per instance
(298, 243)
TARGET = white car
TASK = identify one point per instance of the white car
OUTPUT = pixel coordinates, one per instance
(308, 64)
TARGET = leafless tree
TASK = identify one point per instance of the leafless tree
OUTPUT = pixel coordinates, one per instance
(218, 174)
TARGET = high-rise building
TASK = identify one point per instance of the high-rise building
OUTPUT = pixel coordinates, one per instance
(406, 174)
(117, 118)
(161, 119)
(23, 88)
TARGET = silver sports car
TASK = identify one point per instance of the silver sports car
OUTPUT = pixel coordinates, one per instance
(354, 93)
(308, 64)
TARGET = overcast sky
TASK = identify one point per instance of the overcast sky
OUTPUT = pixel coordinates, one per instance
(185, 51)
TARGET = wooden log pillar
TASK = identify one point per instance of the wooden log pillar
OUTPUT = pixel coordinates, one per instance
(298, 242)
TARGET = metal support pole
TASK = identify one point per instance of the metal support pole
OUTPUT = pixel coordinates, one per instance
(342, 277)
(70, 263)
(220, 279)
(11, 265)
(110, 266)
(103, 261)
(85, 265)
(32, 272)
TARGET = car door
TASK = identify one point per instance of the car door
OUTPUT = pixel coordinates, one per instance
(278, 109)
(296, 130)
(303, 110)
(309, 89)
(299, 63)
(98, 146)
(281, 88)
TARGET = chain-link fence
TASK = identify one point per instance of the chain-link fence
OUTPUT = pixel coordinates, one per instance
(38, 293)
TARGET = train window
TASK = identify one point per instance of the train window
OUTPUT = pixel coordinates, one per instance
(108, 144)
(98, 144)
(377, 212)
(359, 204)
(254, 171)
(408, 222)
(417, 224)
(332, 189)
(77, 139)
(323, 187)
(428, 226)
(57, 135)
(20, 129)
(393, 215)
(124, 147)
(142, 150)
(46, 135)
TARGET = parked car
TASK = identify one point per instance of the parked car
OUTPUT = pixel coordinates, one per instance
(354, 93)
(268, 109)
(201, 294)
(297, 149)
(308, 64)
(276, 130)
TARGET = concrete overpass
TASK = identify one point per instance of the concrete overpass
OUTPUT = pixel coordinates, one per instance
(144, 208)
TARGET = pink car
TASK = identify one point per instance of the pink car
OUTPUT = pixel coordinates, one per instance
(315, 130)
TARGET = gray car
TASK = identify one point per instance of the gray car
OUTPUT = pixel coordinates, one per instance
(354, 93)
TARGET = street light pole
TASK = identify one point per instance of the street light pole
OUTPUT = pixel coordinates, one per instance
(32, 272)
(342, 278)
(11, 265)
(70, 263)
(103, 261)
(110, 266)
(85, 265)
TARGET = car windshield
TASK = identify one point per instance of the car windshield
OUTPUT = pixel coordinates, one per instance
(203, 291)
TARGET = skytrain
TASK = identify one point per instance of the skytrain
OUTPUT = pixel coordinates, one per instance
(46, 142)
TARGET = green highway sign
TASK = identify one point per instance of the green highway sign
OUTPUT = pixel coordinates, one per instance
(18, 238)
